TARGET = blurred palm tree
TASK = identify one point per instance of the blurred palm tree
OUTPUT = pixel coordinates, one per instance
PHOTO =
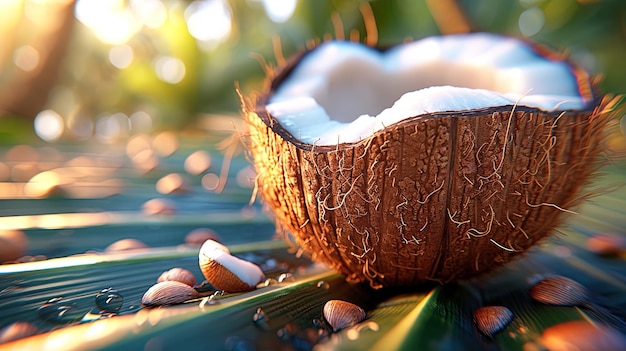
(114, 67)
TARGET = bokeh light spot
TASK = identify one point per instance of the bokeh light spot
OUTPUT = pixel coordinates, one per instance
(112, 21)
(49, 125)
(169, 69)
(279, 11)
(109, 128)
(151, 13)
(209, 21)
(121, 56)
(26, 58)
(165, 143)
(531, 21)
(141, 122)
(198, 162)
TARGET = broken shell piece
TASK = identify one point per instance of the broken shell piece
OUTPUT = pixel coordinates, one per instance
(178, 274)
(559, 291)
(492, 319)
(158, 206)
(126, 245)
(342, 314)
(582, 336)
(199, 236)
(168, 293)
(227, 272)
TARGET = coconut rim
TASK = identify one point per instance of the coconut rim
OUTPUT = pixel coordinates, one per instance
(587, 90)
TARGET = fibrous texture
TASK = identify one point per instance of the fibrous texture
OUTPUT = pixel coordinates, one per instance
(438, 196)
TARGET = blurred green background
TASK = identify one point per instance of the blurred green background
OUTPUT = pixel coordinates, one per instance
(108, 69)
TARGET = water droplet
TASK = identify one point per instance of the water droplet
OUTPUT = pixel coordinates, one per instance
(323, 285)
(321, 324)
(287, 332)
(109, 300)
(270, 263)
(57, 310)
(96, 313)
(300, 343)
(209, 300)
(261, 319)
(286, 278)
(217, 294)
(238, 343)
(354, 332)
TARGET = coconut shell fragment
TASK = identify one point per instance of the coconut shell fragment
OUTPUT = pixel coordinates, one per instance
(559, 291)
(434, 197)
(492, 319)
(342, 314)
(226, 272)
(168, 293)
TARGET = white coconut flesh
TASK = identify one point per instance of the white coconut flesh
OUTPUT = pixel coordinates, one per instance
(343, 92)
(247, 272)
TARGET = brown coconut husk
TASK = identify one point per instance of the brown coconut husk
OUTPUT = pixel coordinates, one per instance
(223, 279)
(440, 196)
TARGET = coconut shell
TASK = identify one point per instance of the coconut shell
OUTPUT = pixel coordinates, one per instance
(223, 279)
(439, 196)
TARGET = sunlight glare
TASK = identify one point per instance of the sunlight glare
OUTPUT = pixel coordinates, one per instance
(49, 125)
(279, 11)
(209, 21)
(121, 56)
(169, 69)
(112, 21)
(152, 13)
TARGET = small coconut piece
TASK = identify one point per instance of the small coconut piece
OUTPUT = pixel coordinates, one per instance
(227, 272)
(607, 244)
(178, 274)
(168, 293)
(172, 183)
(16, 331)
(126, 245)
(158, 207)
(582, 336)
(559, 291)
(438, 159)
(198, 162)
(199, 236)
(342, 314)
(13, 244)
(492, 319)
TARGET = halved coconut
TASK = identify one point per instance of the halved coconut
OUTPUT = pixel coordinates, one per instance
(433, 160)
